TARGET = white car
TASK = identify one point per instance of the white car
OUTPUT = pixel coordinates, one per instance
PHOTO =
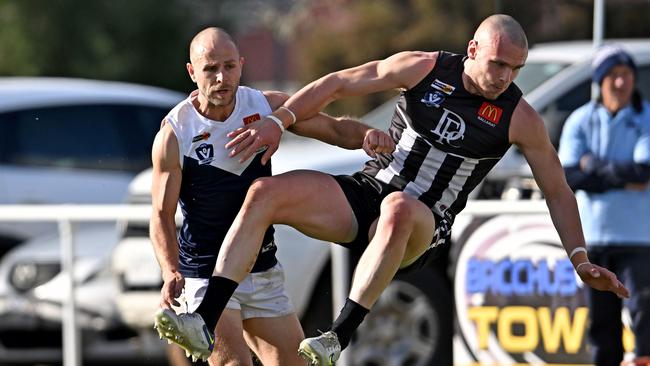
(31, 298)
(69, 141)
(413, 322)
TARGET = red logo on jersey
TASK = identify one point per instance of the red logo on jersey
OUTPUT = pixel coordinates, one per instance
(203, 136)
(252, 118)
(489, 113)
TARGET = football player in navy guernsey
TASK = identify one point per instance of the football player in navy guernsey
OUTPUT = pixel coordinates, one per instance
(456, 117)
(192, 168)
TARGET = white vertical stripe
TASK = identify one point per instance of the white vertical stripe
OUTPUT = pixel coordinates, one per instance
(427, 173)
(450, 194)
(404, 147)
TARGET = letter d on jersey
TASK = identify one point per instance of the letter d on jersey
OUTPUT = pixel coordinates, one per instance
(451, 127)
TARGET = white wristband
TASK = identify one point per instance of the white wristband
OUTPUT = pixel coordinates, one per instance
(293, 115)
(276, 120)
(576, 251)
(580, 264)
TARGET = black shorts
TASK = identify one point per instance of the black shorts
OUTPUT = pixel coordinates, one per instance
(365, 193)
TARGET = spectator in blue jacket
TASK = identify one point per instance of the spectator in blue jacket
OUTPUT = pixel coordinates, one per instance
(605, 152)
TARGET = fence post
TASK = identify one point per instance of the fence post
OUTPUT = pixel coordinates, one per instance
(71, 344)
(340, 288)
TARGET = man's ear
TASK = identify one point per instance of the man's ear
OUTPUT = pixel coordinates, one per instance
(472, 48)
(190, 71)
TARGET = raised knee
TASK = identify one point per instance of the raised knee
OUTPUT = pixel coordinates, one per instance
(261, 185)
(398, 207)
(262, 190)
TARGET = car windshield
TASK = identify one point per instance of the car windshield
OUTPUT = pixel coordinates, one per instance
(535, 73)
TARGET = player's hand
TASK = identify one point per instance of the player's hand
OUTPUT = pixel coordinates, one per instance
(253, 138)
(377, 141)
(173, 283)
(585, 161)
(602, 279)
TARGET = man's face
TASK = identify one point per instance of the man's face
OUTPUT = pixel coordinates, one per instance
(498, 63)
(617, 87)
(216, 68)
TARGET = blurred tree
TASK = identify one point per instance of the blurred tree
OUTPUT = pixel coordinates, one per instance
(146, 41)
(344, 33)
(136, 41)
(557, 20)
(366, 30)
(627, 19)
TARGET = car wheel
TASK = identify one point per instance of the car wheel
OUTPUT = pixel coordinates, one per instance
(411, 324)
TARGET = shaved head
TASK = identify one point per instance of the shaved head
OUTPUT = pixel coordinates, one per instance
(498, 26)
(215, 66)
(495, 55)
(207, 40)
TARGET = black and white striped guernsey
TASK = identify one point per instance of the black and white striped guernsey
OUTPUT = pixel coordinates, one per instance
(214, 185)
(447, 139)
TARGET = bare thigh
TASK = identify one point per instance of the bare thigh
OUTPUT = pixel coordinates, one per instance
(230, 347)
(314, 204)
(275, 340)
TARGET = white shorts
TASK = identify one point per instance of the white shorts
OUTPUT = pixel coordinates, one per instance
(259, 295)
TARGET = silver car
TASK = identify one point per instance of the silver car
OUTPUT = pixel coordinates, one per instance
(31, 298)
(69, 141)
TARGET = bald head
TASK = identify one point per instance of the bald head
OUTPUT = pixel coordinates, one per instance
(495, 55)
(208, 40)
(500, 26)
(215, 66)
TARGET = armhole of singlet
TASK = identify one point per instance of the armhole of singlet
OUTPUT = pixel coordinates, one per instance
(181, 147)
(427, 78)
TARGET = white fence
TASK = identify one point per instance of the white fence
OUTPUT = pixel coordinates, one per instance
(68, 215)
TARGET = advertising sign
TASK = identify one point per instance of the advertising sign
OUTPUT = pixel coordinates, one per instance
(518, 299)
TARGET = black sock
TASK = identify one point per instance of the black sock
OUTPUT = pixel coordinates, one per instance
(219, 291)
(348, 321)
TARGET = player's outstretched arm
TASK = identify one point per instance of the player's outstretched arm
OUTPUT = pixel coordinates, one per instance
(527, 131)
(345, 132)
(400, 71)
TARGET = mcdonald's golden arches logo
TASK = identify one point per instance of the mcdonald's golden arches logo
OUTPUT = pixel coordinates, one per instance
(490, 113)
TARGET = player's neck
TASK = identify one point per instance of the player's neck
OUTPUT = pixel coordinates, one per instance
(213, 111)
(468, 83)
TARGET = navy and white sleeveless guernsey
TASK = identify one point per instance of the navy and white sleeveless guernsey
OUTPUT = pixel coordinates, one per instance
(214, 185)
(447, 139)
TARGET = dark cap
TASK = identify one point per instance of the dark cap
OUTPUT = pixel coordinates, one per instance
(607, 57)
